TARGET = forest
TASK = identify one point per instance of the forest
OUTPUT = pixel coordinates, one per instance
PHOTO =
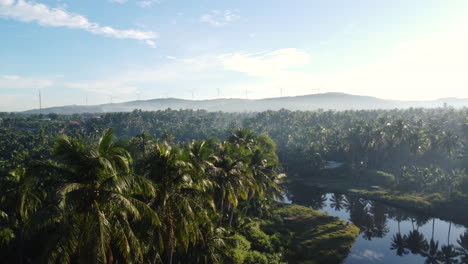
(173, 185)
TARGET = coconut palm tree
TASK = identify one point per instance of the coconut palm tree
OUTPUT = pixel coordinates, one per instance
(182, 200)
(23, 194)
(231, 177)
(98, 208)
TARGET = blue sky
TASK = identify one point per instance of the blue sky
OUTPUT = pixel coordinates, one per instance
(98, 49)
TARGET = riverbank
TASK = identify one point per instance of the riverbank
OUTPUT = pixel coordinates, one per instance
(436, 204)
(314, 237)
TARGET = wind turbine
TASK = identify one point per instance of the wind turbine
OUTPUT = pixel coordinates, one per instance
(111, 98)
(40, 102)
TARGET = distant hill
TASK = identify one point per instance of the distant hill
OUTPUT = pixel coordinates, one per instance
(326, 101)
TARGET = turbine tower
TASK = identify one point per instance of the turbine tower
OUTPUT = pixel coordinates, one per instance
(40, 102)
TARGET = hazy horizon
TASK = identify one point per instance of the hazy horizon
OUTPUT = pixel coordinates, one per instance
(75, 53)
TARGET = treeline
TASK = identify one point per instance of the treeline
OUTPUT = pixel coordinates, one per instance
(423, 150)
(139, 200)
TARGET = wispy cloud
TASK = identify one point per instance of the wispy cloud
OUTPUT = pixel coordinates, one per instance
(27, 11)
(105, 87)
(119, 1)
(20, 82)
(266, 64)
(148, 3)
(368, 256)
(218, 18)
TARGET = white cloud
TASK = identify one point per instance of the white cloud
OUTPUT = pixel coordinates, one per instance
(148, 3)
(368, 255)
(217, 18)
(106, 87)
(27, 11)
(150, 43)
(119, 1)
(19, 82)
(266, 64)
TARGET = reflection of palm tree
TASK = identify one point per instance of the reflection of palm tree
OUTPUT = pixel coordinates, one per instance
(317, 200)
(449, 255)
(432, 253)
(416, 242)
(398, 215)
(379, 218)
(421, 220)
(448, 236)
(337, 201)
(399, 244)
(463, 248)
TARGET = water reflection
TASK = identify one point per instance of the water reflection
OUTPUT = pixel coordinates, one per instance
(391, 235)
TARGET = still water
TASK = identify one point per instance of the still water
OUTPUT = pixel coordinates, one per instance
(390, 235)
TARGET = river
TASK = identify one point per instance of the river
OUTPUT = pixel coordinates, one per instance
(390, 235)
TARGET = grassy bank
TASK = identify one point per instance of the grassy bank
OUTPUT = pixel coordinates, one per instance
(293, 234)
(378, 188)
(315, 237)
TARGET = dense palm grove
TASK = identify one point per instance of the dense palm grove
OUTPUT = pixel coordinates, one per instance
(141, 201)
(163, 191)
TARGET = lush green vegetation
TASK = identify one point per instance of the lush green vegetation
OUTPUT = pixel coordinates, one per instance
(414, 158)
(141, 201)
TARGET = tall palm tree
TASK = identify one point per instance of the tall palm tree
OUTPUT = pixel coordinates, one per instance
(231, 177)
(98, 208)
(182, 202)
(23, 194)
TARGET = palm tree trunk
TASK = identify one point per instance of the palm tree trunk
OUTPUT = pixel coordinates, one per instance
(222, 212)
(169, 254)
(231, 216)
(110, 258)
(20, 247)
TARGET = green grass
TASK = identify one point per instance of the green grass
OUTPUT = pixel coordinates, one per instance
(316, 237)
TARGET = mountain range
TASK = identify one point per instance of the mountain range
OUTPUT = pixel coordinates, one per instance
(326, 101)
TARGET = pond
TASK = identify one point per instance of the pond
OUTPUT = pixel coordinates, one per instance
(391, 235)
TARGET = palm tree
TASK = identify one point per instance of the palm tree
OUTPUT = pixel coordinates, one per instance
(182, 202)
(98, 209)
(231, 177)
(23, 193)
